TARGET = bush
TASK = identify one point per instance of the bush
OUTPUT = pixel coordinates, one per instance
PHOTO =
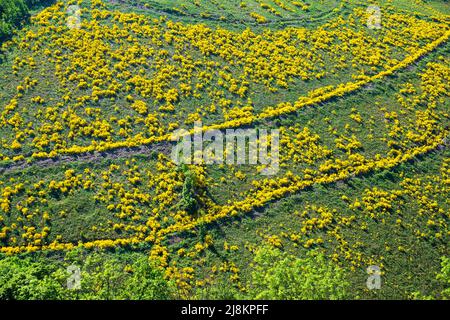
(278, 275)
(13, 13)
(36, 3)
(444, 281)
(189, 195)
(23, 279)
(444, 277)
(103, 276)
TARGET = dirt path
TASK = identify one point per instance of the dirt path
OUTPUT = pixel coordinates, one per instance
(89, 157)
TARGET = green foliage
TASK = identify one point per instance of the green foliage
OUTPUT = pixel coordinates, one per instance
(279, 275)
(13, 13)
(102, 277)
(444, 277)
(222, 289)
(107, 278)
(189, 201)
(23, 279)
(34, 3)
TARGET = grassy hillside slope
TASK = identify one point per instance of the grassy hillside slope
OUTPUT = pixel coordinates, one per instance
(86, 117)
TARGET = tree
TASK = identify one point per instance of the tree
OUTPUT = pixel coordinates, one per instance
(147, 283)
(103, 276)
(107, 277)
(13, 13)
(278, 275)
(444, 277)
(23, 279)
(189, 202)
(221, 289)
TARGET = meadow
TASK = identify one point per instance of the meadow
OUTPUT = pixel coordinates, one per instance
(86, 122)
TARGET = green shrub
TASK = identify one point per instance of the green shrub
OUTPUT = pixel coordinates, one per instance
(13, 13)
(278, 275)
(102, 276)
(444, 277)
(23, 279)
